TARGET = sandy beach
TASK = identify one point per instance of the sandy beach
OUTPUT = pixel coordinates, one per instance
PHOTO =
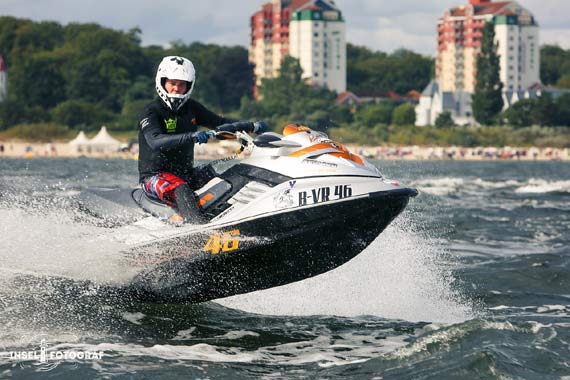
(214, 150)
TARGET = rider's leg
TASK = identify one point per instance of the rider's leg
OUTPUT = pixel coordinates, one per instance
(187, 205)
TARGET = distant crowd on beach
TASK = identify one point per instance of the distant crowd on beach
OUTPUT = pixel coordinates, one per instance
(217, 150)
(463, 153)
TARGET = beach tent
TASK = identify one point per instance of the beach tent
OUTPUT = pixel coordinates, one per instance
(80, 143)
(104, 143)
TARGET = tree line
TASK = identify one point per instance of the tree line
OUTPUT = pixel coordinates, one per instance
(64, 78)
(83, 75)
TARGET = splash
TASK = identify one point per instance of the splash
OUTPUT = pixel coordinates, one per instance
(51, 244)
(401, 275)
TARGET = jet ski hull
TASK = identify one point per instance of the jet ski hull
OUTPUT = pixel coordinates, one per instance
(272, 250)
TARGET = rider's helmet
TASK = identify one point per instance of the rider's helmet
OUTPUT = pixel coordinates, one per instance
(173, 67)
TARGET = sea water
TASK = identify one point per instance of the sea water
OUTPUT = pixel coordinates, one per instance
(472, 281)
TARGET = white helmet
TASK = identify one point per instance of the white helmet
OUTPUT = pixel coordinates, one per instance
(173, 67)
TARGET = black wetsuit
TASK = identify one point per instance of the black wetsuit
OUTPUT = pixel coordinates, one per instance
(165, 137)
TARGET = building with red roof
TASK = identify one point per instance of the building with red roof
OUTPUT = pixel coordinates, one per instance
(460, 31)
(312, 31)
(459, 35)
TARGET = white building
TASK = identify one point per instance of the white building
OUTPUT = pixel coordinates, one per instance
(517, 37)
(434, 101)
(317, 39)
(312, 31)
(460, 32)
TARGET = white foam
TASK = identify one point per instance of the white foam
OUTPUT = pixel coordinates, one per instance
(550, 308)
(133, 317)
(399, 276)
(185, 334)
(439, 186)
(232, 335)
(538, 186)
(322, 349)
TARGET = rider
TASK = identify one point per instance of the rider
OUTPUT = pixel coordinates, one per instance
(167, 133)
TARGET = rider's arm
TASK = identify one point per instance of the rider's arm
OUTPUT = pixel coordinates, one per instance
(207, 118)
(151, 128)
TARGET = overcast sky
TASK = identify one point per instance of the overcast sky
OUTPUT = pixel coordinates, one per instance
(383, 25)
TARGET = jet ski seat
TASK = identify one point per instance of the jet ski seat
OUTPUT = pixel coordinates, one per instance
(206, 195)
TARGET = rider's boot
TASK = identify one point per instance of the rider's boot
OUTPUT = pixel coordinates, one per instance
(187, 206)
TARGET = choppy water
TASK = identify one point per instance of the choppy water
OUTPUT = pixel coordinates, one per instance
(471, 282)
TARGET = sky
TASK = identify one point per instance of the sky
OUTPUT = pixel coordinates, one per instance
(384, 25)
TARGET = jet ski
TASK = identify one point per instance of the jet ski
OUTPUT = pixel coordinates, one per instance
(297, 206)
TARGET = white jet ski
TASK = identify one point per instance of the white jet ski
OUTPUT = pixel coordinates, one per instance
(299, 205)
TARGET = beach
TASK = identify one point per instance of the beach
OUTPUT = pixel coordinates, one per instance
(215, 150)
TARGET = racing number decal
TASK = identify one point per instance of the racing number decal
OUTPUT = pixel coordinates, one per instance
(225, 242)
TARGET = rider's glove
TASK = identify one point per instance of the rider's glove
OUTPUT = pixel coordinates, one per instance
(259, 127)
(202, 137)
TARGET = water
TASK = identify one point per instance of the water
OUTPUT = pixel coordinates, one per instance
(472, 281)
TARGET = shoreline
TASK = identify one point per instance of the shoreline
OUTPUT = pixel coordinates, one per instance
(217, 150)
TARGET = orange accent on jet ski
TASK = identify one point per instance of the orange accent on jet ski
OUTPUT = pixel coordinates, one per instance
(341, 151)
(227, 136)
(290, 129)
(205, 199)
(313, 148)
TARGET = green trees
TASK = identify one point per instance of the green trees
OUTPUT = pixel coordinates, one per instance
(543, 111)
(86, 74)
(404, 114)
(555, 66)
(373, 114)
(444, 120)
(519, 114)
(223, 74)
(377, 73)
(487, 98)
(83, 75)
(288, 98)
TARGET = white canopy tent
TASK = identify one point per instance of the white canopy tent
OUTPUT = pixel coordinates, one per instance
(80, 143)
(103, 142)
(80, 139)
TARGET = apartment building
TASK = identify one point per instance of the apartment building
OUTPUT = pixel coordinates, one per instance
(312, 31)
(460, 31)
(459, 35)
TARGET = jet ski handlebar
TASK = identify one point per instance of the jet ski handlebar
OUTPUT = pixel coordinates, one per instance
(229, 131)
(234, 131)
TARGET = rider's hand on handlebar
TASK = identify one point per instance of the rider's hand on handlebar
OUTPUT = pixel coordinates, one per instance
(259, 127)
(202, 137)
